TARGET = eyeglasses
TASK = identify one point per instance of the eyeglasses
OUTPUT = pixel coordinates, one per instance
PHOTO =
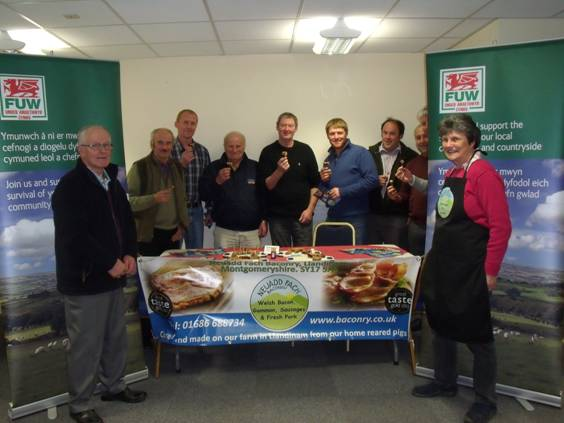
(98, 146)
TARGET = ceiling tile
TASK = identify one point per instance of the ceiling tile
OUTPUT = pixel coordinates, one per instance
(468, 27)
(222, 10)
(175, 32)
(256, 47)
(29, 1)
(11, 20)
(151, 11)
(435, 8)
(119, 52)
(97, 35)
(70, 53)
(204, 48)
(255, 30)
(442, 44)
(521, 9)
(51, 15)
(337, 8)
(395, 45)
(413, 28)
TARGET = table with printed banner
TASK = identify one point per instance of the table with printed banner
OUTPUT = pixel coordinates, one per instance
(220, 297)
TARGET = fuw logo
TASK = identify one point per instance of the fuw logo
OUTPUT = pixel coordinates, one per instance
(463, 90)
(23, 97)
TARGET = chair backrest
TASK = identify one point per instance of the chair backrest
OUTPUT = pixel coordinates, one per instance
(334, 233)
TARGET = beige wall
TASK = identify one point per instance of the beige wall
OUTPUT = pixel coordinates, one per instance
(512, 31)
(247, 93)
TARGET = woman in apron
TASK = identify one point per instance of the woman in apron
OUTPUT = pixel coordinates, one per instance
(470, 239)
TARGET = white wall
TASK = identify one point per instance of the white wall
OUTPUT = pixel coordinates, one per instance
(247, 93)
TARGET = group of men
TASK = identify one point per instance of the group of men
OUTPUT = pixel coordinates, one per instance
(279, 193)
(99, 231)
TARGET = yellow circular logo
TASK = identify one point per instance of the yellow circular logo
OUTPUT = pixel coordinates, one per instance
(279, 302)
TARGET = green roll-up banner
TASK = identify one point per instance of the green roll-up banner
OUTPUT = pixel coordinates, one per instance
(516, 95)
(44, 101)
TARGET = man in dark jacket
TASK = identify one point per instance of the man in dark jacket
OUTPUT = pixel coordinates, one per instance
(388, 220)
(95, 248)
(238, 209)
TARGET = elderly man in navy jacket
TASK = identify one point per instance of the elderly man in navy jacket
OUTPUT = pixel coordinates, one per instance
(95, 248)
(238, 209)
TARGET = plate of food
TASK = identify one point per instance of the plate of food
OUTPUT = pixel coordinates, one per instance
(365, 283)
(191, 283)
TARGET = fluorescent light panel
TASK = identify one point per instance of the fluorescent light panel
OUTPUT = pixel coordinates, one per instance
(37, 40)
(332, 46)
(307, 31)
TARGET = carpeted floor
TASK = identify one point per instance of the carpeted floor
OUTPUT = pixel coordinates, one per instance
(309, 382)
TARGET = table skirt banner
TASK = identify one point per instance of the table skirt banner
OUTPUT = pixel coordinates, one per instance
(202, 302)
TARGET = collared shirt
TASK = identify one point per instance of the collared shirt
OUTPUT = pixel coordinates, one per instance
(388, 160)
(104, 178)
(193, 170)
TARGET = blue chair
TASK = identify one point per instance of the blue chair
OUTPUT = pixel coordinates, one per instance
(334, 233)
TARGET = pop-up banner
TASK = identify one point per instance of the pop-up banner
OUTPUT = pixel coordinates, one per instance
(514, 93)
(44, 101)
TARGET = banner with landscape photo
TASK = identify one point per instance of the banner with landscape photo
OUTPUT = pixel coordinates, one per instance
(44, 101)
(514, 93)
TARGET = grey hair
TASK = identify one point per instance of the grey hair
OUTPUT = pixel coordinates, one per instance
(232, 133)
(154, 131)
(461, 123)
(82, 132)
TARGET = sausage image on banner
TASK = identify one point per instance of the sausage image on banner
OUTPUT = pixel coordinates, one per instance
(189, 285)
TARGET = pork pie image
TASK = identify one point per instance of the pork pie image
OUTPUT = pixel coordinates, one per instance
(189, 286)
(367, 283)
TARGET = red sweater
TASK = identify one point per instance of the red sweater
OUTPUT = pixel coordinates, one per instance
(417, 199)
(485, 203)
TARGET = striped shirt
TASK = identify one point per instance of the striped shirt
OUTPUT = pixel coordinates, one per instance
(194, 170)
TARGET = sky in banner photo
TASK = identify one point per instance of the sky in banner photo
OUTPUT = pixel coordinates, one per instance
(536, 203)
(27, 231)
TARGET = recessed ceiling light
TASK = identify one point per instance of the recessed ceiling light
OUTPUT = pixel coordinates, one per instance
(71, 16)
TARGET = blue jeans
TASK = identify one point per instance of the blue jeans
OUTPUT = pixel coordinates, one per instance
(289, 232)
(360, 224)
(194, 237)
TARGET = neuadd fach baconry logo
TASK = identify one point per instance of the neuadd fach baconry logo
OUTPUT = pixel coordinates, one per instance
(23, 97)
(463, 90)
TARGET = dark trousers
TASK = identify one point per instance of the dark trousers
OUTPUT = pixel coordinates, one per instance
(388, 229)
(289, 232)
(161, 242)
(416, 234)
(98, 345)
(484, 370)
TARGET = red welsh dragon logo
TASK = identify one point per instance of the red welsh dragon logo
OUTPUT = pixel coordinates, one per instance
(462, 81)
(20, 88)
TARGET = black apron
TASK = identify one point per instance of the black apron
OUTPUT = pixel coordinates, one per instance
(454, 279)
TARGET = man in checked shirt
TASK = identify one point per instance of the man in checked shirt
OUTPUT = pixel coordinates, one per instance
(194, 157)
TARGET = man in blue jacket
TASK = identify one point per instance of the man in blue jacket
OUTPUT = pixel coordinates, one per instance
(238, 209)
(95, 248)
(348, 175)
